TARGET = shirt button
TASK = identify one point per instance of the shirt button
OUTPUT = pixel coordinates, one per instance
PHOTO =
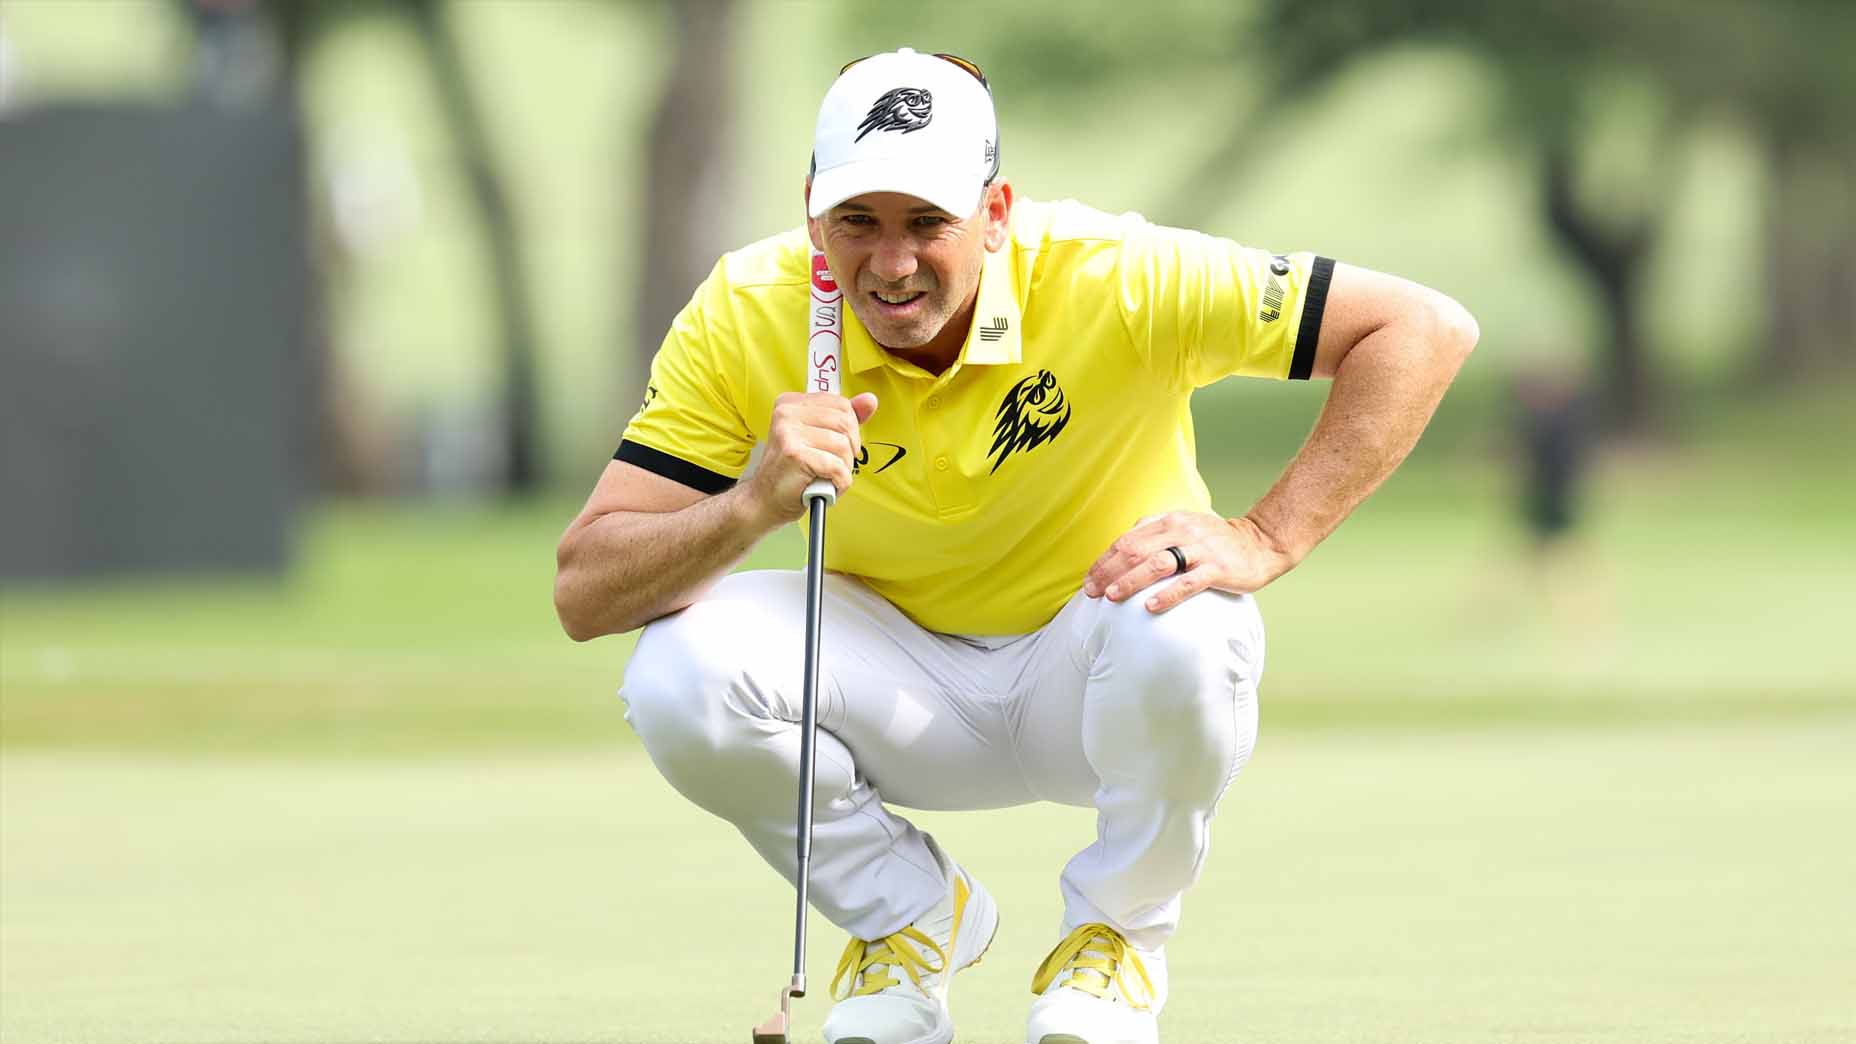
(940, 463)
(934, 402)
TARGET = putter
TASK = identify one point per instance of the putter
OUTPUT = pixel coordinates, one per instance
(774, 1030)
(822, 350)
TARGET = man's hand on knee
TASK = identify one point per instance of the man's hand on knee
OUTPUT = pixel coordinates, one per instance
(1196, 551)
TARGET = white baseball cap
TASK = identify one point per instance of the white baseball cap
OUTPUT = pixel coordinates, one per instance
(904, 122)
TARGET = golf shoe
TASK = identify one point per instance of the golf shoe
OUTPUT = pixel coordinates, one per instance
(895, 988)
(1096, 988)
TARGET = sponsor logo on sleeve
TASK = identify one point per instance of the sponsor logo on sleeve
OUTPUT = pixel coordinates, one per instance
(1273, 291)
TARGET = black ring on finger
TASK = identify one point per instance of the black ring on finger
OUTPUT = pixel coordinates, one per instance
(1179, 560)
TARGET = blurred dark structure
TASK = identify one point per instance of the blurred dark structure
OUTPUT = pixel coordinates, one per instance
(236, 58)
(1554, 433)
(154, 381)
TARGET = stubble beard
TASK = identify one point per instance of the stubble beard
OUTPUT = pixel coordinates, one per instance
(905, 335)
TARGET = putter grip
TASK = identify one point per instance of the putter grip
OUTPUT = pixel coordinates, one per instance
(820, 489)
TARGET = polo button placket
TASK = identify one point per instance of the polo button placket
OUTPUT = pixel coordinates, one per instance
(951, 496)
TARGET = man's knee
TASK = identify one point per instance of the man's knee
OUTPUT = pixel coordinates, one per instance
(1180, 686)
(697, 688)
(1185, 655)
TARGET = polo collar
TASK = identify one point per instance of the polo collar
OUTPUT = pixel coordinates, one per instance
(994, 339)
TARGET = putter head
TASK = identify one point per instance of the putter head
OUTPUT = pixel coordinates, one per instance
(773, 1031)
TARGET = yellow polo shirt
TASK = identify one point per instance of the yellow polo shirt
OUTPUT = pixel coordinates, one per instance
(986, 491)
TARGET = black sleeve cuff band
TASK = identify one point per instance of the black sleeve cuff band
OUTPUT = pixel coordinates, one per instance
(1314, 302)
(676, 469)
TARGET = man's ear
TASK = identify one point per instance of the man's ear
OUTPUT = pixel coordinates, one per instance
(998, 210)
(812, 229)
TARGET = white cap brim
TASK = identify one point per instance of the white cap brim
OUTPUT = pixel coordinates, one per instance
(951, 191)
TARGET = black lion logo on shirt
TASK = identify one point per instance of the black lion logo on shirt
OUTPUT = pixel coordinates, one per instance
(1034, 412)
(907, 109)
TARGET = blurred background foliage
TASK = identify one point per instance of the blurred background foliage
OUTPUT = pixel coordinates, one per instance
(509, 201)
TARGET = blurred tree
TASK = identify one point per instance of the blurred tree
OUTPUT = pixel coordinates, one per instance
(521, 407)
(1782, 67)
(687, 161)
(244, 58)
(302, 25)
(1786, 69)
(1556, 84)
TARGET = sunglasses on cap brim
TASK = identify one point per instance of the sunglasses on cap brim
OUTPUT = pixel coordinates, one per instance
(952, 59)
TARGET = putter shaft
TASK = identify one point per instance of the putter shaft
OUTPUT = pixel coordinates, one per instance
(775, 1030)
(808, 737)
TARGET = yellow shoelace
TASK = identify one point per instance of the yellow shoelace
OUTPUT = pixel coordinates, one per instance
(874, 959)
(1095, 955)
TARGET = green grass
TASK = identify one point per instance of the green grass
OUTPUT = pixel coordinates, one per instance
(405, 628)
(1711, 583)
(1652, 885)
(383, 799)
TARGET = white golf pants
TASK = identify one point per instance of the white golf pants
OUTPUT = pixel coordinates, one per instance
(1146, 718)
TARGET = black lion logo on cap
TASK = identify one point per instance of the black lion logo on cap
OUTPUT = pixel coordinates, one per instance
(1034, 412)
(906, 109)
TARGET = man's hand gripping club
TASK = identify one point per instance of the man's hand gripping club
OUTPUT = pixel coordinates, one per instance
(812, 436)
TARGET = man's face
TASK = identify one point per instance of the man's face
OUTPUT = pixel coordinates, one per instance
(907, 267)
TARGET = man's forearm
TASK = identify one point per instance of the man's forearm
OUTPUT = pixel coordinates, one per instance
(1384, 393)
(625, 569)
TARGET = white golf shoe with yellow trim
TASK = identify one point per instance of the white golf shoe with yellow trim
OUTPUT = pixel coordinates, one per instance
(1096, 988)
(897, 986)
